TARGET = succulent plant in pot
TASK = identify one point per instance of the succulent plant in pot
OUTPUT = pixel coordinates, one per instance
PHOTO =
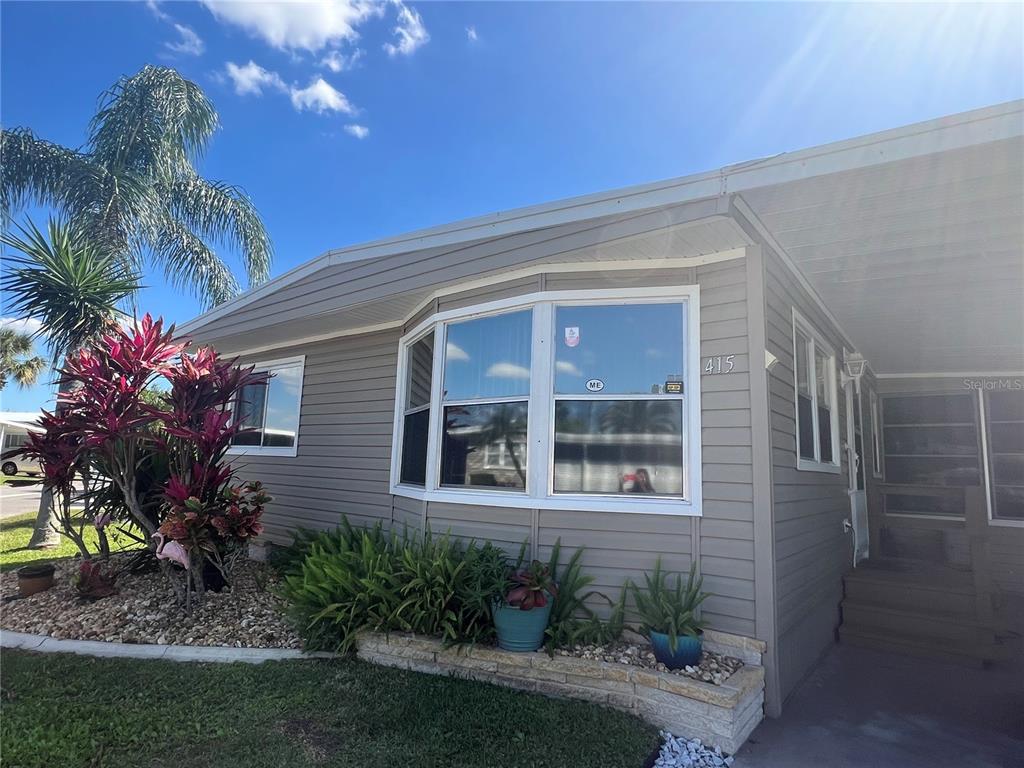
(521, 617)
(669, 615)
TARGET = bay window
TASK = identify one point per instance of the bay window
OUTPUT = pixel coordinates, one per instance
(564, 400)
(269, 411)
(817, 422)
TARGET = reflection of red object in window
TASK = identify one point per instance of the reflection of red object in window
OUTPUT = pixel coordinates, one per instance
(628, 481)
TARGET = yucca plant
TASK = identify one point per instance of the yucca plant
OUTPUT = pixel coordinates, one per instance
(672, 611)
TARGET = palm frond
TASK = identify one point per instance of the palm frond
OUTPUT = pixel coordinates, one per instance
(155, 123)
(188, 263)
(223, 213)
(65, 282)
(33, 170)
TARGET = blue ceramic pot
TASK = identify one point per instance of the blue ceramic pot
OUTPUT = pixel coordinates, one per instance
(687, 653)
(520, 630)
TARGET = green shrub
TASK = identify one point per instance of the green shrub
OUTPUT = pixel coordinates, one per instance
(348, 581)
(572, 620)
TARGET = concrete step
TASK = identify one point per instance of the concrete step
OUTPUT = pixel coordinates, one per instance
(964, 654)
(867, 587)
(934, 626)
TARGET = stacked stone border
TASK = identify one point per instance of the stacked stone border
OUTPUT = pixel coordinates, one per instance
(720, 715)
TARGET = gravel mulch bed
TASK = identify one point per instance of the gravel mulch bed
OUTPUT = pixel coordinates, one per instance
(677, 752)
(144, 610)
(714, 668)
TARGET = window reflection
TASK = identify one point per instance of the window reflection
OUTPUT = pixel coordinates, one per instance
(619, 446)
(488, 357)
(484, 446)
(632, 349)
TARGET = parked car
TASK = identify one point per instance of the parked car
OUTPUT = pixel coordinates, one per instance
(12, 464)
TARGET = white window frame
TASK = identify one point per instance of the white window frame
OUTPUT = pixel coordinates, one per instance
(264, 366)
(877, 463)
(540, 415)
(817, 343)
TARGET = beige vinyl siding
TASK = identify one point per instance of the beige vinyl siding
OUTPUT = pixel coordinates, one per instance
(345, 427)
(811, 551)
(508, 527)
(345, 436)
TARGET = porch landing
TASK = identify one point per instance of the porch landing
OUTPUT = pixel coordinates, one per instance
(861, 707)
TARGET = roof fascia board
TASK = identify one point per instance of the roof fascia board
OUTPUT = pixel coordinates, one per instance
(966, 129)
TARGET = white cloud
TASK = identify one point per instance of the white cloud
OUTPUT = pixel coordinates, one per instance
(252, 78)
(336, 61)
(154, 6)
(508, 371)
(453, 351)
(309, 25)
(410, 31)
(21, 325)
(471, 34)
(190, 42)
(564, 366)
(359, 131)
(320, 96)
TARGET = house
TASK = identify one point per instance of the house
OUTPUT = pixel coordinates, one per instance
(805, 373)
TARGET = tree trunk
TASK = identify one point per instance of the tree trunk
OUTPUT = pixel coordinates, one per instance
(44, 536)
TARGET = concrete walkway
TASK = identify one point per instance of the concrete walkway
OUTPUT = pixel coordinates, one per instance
(864, 709)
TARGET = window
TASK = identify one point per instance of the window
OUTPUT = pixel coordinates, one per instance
(269, 412)
(555, 401)
(616, 428)
(14, 441)
(931, 440)
(817, 426)
(416, 413)
(876, 437)
(1004, 422)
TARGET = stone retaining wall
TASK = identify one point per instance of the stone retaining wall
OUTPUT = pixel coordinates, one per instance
(720, 715)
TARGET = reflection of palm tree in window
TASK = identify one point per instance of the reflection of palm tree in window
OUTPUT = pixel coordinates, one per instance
(507, 425)
(643, 417)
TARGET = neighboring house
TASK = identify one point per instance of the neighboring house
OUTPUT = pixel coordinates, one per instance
(773, 370)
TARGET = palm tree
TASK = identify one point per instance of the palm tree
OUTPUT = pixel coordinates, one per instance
(133, 188)
(73, 290)
(16, 359)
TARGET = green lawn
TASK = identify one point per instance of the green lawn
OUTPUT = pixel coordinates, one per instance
(62, 710)
(15, 533)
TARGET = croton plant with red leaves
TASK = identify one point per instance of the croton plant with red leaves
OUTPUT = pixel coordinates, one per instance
(166, 461)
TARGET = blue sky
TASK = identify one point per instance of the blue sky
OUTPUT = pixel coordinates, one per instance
(456, 109)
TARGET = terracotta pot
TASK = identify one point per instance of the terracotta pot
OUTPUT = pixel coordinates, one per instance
(34, 578)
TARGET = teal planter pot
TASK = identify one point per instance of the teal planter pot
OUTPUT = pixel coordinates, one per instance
(686, 654)
(521, 631)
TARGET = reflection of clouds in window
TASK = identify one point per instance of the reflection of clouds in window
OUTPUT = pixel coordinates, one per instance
(569, 369)
(455, 352)
(654, 353)
(508, 371)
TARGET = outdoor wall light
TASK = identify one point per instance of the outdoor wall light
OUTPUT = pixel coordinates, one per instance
(854, 366)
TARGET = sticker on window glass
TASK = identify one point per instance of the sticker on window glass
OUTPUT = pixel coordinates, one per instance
(572, 336)
(594, 385)
(673, 387)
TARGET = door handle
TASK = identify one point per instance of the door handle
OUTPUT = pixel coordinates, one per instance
(847, 525)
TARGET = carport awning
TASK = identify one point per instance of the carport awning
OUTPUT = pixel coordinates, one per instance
(920, 260)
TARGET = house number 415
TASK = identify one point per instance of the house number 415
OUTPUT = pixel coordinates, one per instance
(720, 364)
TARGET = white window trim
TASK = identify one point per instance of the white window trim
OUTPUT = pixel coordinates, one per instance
(801, 324)
(538, 493)
(877, 459)
(986, 449)
(298, 361)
